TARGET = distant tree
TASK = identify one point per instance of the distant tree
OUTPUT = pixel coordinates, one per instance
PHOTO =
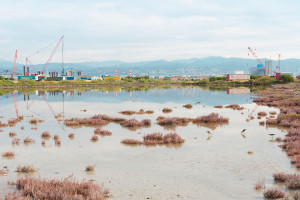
(286, 78)
(253, 77)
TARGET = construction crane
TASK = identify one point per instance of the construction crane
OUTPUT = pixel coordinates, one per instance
(53, 52)
(28, 62)
(277, 68)
(258, 60)
(14, 66)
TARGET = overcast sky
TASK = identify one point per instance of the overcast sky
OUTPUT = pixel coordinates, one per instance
(138, 30)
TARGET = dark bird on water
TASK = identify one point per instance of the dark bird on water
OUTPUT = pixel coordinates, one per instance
(208, 132)
(243, 130)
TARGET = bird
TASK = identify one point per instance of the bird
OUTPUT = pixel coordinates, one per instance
(243, 130)
(243, 135)
(208, 132)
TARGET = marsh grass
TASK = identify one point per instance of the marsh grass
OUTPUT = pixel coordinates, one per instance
(8, 154)
(26, 169)
(273, 193)
(68, 188)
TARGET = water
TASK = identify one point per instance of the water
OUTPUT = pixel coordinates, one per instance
(215, 166)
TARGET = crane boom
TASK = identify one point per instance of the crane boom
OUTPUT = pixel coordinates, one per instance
(28, 61)
(52, 54)
(258, 60)
(14, 66)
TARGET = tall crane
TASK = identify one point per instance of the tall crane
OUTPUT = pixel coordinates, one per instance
(28, 62)
(258, 60)
(53, 52)
(14, 66)
(277, 68)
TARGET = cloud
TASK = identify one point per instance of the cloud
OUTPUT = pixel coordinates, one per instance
(142, 30)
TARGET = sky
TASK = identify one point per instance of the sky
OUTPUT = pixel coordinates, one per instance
(143, 30)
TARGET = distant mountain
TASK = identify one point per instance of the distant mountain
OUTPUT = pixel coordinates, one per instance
(195, 66)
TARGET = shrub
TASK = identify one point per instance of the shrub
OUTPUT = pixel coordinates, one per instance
(68, 188)
(188, 106)
(12, 134)
(293, 181)
(71, 135)
(46, 135)
(28, 140)
(26, 169)
(235, 107)
(8, 154)
(218, 106)
(211, 118)
(90, 168)
(286, 78)
(94, 138)
(260, 184)
(167, 110)
(131, 141)
(262, 114)
(273, 193)
(281, 177)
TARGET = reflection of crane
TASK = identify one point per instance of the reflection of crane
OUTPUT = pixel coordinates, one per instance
(15, 102)
(258, 60)
(14, 66)
(49, 106)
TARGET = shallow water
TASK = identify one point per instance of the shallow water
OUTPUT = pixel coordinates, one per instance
(215, 166)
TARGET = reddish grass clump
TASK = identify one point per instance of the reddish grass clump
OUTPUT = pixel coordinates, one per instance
(260, 184)
(57, 142)
(94, 138)
(262, 114)
(272, 112)
(105, 133)
(68, 188)
(273, 193)
(293, 181)
(90, 168)
(167, 110)
(133, 123)
(71, 135)
(127, 112)
(158, 138)
(33, 121)
(235, 107)
(12, 134)
(15, 141)
(188, 106)
(56, 137)
(211, 118)
(218, 106)
(172, 138)
(46, 135)
(131, 142)
(281, 177)
(8, 154)
(173, 121)
(28, 140)
(26, 169)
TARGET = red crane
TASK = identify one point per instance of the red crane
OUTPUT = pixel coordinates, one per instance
(258, 60)
(28, 61)
(14, 66)
(53, 52)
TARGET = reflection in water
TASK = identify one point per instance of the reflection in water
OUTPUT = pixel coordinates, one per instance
(205, 166)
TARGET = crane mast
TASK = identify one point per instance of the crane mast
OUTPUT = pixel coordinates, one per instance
(258, 60)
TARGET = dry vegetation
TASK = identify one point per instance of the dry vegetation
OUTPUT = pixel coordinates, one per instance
(235, 107)
(167, 110)
(218, 106)
(71, 135)
(90, 168)
(188, 106)
(154, 139)
(260, 184)
(8, 154)
(26, 169)
(273, 193)
(68, 188)
(141, 112)
(99, 131)
(46, 135)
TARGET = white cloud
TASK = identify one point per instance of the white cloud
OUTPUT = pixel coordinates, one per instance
(144, 30)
